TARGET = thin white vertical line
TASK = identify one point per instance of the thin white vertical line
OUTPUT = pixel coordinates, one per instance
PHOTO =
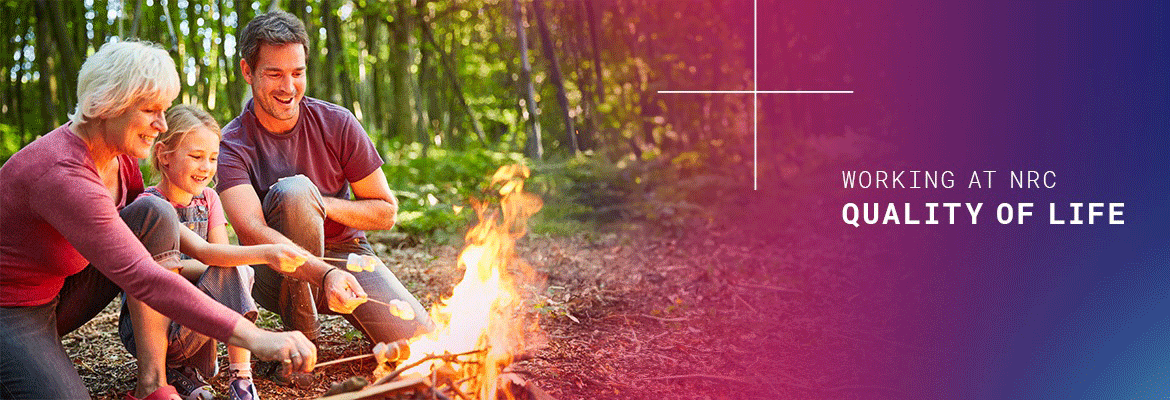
(755, 95)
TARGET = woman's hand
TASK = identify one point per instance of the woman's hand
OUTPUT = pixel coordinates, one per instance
(284, 258)
(291, 348)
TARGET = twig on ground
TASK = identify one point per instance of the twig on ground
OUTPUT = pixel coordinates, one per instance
(698, 376)
(749, 306)
(766, 287)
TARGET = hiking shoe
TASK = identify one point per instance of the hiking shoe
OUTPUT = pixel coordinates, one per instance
(189, 383)
(242, 389)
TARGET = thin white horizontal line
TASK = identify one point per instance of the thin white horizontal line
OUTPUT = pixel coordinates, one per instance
(756, 91)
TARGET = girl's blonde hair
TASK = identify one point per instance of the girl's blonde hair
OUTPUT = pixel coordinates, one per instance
(181, 120)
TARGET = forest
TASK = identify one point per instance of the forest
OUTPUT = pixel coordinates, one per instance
(634, 180)
(446, 90)
(542, 78)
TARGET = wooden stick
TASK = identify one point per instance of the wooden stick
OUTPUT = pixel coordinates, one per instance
(334, 259)
(698, 376)
(403, 368)
(343, 360)
(376, 301)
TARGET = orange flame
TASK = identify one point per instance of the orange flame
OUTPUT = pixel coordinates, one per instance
(484, 311)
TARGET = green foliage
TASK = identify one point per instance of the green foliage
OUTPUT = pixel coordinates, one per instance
(9, 141)
(412, 65)
(430, 189)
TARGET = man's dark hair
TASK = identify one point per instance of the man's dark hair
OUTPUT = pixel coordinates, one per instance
(274, 27)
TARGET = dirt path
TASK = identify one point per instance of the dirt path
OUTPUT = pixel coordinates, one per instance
(628, 313)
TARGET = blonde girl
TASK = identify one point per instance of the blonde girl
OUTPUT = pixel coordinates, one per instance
(184, 160)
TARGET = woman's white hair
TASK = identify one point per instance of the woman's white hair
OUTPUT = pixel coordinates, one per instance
(119, 75)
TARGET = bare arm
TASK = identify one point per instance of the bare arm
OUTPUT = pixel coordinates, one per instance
(192, 269)
(375, 206)
(247, 216)
(282, 257)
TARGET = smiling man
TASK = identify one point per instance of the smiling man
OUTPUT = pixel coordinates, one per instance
(287, 166)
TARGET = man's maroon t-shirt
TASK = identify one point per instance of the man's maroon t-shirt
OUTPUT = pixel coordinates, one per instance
(327, 145)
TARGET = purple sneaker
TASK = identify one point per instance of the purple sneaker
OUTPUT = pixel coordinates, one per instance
(242, 389)
(189, 383)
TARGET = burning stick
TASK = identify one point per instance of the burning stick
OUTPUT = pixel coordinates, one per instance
(447, 357)
(395, 351)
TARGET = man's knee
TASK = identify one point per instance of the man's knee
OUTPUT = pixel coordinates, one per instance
(296, 189)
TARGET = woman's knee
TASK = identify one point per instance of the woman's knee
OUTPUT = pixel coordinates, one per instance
(150, 212)
(155, 223)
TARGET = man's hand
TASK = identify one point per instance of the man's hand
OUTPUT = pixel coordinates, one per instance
(284, 258)
(343, 291)
(374, 207)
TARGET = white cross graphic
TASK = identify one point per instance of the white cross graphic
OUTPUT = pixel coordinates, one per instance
(756, 93)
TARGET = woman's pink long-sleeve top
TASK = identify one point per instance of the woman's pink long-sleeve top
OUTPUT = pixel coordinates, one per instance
(56, 217)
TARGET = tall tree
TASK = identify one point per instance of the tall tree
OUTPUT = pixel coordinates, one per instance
(21, 75)
(421, 117)
(374, 47)
(591, 19)
(68, 65)
(136, 23)
(337, 54)
(558, 82)
(535, 147)
(194, 47)
(453, 75)
(400, 30)
(230, 70)
(43, 50)
(100, 24)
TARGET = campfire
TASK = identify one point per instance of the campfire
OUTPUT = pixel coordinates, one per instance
(483, 325)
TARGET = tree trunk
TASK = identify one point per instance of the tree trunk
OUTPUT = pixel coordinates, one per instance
(557, 80)
(100, 25)
(337, 57)
(67, 66)
(43, 49)
(136, 23)
(448, 66)
(377, 116)
(535, 148)
(330, 70)
(8, 65)
(591, 18)
(421, 117)
(195, 50)
(403, 110)
(231, 70)
(170, 9)
(26, 132)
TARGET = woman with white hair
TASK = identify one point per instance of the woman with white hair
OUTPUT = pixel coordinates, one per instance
(71, 233)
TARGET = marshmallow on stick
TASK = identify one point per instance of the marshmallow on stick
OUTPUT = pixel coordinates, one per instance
(361, 262)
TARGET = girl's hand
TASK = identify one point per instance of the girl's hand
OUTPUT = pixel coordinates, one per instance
(285, 258)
